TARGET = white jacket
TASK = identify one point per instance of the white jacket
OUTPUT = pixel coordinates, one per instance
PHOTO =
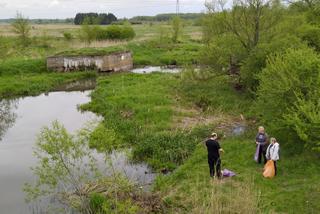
(273, 152)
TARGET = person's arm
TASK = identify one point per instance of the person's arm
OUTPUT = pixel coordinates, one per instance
(267, 138)
(205, 143)
(275, 155)
(268, 153)
(256, 139)
(220, 149)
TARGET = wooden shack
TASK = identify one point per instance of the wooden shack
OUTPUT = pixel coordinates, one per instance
(109, 62)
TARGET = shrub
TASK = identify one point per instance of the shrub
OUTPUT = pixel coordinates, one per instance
(67, 36)
(113, 32)
(116, 32)
(103, 139)
(311, 35)
(127, 32)
(256, 60)
(288, 91)
(21, 27)
(165, 150)
(176, 24)
(88, 33)
(304, 119)
(217, 53)
(96, 202)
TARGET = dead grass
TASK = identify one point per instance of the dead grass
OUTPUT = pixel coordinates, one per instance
(189, 118)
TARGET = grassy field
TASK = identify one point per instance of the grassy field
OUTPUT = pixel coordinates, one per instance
(145, 114)
(165, 118)
(21, 65)
(48, 39)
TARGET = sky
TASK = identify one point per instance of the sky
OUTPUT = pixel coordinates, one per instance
(68, 8)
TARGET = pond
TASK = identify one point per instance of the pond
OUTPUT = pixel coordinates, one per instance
(21, 121)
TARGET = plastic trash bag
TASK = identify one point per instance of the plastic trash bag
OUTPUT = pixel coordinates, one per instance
(228, 173)
(269, 170)
(256, 155)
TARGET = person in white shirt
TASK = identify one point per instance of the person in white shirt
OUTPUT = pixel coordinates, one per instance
(273, 152)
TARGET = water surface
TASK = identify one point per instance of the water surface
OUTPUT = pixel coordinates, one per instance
(20, 122)
(151, 69)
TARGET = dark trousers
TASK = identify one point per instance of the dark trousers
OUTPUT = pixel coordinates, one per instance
(275, 167)
(214, 166)
(262, 152)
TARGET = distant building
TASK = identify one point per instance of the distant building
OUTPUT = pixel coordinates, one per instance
(112, 62)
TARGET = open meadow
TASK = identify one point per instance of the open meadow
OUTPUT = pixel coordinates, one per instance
(232, 78)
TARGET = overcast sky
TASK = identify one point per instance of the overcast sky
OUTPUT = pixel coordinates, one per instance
(68, 8)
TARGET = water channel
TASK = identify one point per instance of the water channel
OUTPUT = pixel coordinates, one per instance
(21, 121)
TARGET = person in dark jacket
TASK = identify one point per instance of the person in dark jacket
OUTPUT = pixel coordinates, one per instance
(214, 150)
(262, 141)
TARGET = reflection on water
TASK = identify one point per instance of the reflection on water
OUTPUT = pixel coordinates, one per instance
(31, 114)
(80, 85)
(151, 69)
(238, 129)
(7, 115)
(139, 173)
(20, 123)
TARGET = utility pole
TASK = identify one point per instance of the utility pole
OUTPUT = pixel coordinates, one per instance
(178, 8)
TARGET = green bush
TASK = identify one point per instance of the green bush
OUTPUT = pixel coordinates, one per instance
(103, 139)
(311, 35)
(67, 36)
(88, 33)
(256, 60)
(165, 150)
(288, 92)
(218, 53)
(96, 202)
(304, 119)
(112, 32)
(116, 32)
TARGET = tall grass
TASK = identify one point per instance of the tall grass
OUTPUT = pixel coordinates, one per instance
(22, 66)
(294, 190)
(34, 84)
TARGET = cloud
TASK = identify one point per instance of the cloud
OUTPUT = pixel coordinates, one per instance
(121, 8)
(54, 3)
(3, 5)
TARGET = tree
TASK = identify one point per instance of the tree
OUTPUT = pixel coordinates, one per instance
(21, 27)
(248, 20)
(7, 115)
(232, 35)
(176, 24)
(288, 96)
(94, 18)
(65, 166)
(88, 33)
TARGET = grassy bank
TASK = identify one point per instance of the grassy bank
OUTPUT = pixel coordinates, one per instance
(140, 110)
(34, 84)
(294, 190)
(146, 115)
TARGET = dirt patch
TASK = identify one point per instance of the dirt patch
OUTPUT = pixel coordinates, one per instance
(189, 118)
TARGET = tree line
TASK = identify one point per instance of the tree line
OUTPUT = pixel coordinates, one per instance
(166, 17)
(94, 18)
(273, 51)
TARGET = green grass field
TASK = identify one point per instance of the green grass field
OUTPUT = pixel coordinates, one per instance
(141, 110)
(165, 118)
